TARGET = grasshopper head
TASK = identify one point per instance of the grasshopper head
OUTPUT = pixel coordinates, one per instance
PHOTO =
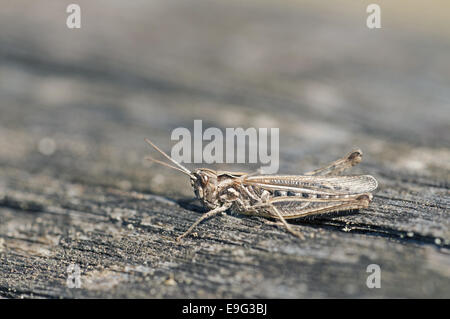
(204, 182)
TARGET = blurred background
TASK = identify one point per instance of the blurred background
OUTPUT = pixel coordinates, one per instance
(141, 69)
(76, 104)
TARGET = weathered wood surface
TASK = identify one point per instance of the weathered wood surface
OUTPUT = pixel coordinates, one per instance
(76, 104)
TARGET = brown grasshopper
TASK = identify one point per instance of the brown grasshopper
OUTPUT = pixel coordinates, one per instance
(279, 196)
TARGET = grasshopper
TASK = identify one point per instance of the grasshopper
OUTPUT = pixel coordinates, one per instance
(278, 196)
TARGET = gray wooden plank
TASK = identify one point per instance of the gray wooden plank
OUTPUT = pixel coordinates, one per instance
(324, 79)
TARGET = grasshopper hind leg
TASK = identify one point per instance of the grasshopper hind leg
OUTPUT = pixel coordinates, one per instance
(340, 165)
(286, 225)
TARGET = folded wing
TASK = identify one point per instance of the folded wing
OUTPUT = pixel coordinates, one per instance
(310, 185)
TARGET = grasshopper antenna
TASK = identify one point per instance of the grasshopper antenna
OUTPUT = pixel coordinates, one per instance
(168, 165)
(179, 168)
